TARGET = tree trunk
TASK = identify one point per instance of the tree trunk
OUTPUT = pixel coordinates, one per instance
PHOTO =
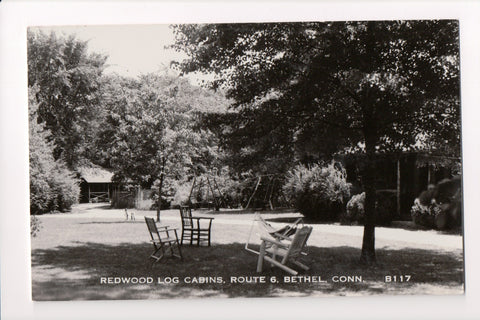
(159, 200)
(370, 132)
(368, 245)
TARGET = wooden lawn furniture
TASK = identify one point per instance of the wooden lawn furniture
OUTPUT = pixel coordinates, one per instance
(164, 240)
(287, 250)
(264, 229)
(193, 229)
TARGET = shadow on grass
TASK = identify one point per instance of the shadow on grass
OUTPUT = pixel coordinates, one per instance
(113, 222)
(54, 272)
(246, 211)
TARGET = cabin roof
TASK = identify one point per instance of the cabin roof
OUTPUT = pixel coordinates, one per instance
(96, 175)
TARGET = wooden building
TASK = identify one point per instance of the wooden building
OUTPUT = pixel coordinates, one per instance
(96, 185)
(401, 177)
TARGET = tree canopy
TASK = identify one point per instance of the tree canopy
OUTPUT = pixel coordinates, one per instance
(147, 130)
(154, 118)
(52, 185)
(151, 133)
(67, 79)
(299, 93)
(306, 90)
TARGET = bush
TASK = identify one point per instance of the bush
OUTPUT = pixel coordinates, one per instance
(384, 209)
(443, 210)
(123, 200)
(53, 186)
(425, 216)
(318, 192)
(55, 190)
(35, 225)
(437, 216)
(356, 209)
(227, 190)
(40, 192)
(65, 189)
(181, 194)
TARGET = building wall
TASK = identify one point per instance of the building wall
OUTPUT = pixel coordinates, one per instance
(85, 187)
(413, 179)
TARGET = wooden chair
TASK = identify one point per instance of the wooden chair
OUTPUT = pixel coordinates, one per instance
(193, 229)
(260, 227)
(288, 250)
(164, 240)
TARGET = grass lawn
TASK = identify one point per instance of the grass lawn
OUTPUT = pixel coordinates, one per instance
(74, 253)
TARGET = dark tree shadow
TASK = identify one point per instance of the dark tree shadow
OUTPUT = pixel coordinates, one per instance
(94, 261)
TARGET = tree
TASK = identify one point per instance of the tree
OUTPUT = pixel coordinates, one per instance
(67, 79)
(151, 135)
(52, 184)
(372, 86)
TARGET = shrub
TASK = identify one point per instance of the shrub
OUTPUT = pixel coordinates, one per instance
(40, 193)
(444, 208)
(425, 215)
(356, 208)
(52, 185)
(318, 192)
(230, 186)
(65, 188)
(35, 225)
(227, 190)
(383, 209)
(436, 215)
(181, 194)
(55, 190)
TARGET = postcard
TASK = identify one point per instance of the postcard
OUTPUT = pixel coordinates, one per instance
(230, 160)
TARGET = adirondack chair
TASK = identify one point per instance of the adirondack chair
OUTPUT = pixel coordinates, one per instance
(193, 229)
(288, 250)
(164, 240)
(260, 227)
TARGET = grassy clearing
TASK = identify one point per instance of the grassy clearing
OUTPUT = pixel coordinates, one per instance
(72, 253)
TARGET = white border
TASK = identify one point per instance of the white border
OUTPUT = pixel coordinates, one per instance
(15, 16)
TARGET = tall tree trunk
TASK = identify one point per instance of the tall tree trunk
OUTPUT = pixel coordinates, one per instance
(368, 245)
(159, 200)
(370, 133)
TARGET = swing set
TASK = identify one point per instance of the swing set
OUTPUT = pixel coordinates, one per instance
(207, 192)
(261, 192)
(268, 183)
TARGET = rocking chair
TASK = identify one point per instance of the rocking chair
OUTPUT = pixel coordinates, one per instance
(164, 240)
(288, 251)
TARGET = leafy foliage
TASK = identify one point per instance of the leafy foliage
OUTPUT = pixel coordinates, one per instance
(306, 90)
(303, 76)
(35, 226)
(319, 192)
(356, 209)
(67, 79)
(425, 215)
(52, 185)
(151, 131)
(439, 207)
(228, 189)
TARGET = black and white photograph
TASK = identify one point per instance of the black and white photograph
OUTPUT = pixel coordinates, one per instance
(231, 160)
(245, 160)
